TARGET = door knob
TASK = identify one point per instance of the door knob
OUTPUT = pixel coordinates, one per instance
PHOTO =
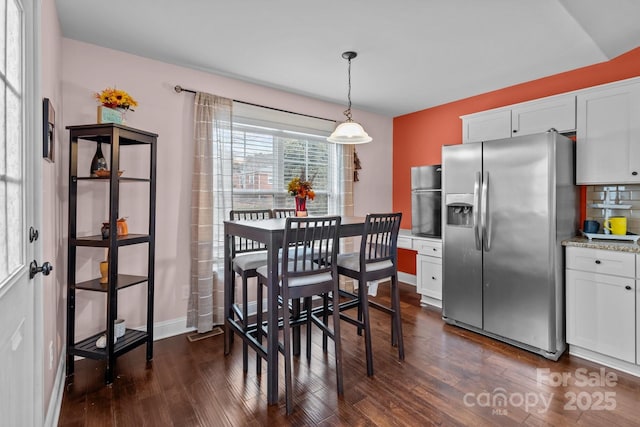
(44, 269)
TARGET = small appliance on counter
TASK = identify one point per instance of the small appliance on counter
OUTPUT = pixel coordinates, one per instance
(426, 201)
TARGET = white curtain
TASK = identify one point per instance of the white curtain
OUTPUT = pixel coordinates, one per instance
(210, 199)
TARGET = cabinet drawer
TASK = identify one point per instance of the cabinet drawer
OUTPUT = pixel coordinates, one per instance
(601, 261)
(404, 242)
(428, 247)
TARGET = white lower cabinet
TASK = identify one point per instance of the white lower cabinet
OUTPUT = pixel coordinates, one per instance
(601, 314)
(601, 308)
(637, 309)
(429, 276)
(429, 270)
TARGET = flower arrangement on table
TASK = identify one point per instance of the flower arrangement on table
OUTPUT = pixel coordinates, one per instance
(301, 189)
(116, 98)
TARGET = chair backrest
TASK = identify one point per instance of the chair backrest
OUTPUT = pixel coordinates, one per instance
(242, 245)
(316, 240)
(284, 212)
(380, 239)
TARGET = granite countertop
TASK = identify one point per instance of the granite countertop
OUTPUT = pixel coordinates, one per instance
(609, 245)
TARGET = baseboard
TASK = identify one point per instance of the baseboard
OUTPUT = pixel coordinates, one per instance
(168, 328)
(407, 278)
(55, 400)
(611, 362)
(425, 300)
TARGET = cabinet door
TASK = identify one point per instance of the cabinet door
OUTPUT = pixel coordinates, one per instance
(601, 314)
(429, 276)
(608, 136)
(486, 126)
(540, 116)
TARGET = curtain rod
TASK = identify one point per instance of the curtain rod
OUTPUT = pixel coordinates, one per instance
(179, 89)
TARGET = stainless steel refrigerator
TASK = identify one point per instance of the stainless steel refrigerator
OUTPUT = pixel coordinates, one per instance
(426, 200)
(507, 205)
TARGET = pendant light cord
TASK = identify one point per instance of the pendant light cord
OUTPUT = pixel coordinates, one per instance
(347, 112)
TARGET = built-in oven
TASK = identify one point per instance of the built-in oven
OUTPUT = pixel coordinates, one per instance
(426, 201)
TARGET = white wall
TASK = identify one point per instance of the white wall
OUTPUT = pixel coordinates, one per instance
(53, 196)
(89, 68)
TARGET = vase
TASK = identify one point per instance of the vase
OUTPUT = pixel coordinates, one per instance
(104, 272)
(109, 115)
(98, 162)
(301, 206)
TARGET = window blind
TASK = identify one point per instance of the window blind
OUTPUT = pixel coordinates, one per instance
(270, 147)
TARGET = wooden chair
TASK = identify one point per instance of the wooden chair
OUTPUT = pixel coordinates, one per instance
(376, 260)
(246, 255)
(303, 276)
(284, 212)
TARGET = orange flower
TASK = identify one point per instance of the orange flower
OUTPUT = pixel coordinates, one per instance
(299, 187)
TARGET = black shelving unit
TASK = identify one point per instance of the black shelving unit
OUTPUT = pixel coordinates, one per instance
(117, 137)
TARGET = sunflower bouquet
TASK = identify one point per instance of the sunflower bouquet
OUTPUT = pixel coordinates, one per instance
(116, 98)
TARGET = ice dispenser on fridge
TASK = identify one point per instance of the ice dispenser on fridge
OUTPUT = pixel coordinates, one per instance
(459, 209)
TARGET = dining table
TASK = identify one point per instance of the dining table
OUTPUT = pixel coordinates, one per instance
(269, 232)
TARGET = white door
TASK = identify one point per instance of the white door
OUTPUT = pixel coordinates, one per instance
(20, 366)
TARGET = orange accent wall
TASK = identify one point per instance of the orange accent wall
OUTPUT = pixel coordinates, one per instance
(418, 137)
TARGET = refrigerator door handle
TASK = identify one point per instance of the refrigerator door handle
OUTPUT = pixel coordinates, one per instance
(486, 221)
(476, 211)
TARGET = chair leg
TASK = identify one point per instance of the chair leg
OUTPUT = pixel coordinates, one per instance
(295, 306)
(233, 300)
(308, 307)
(337, 346)
(259, 325)
(360, 306)
(245, 323)
(325, 317)
(395, 301)
(286, 331)
(364, 306)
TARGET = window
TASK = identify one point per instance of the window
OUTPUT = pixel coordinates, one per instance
(270, 147)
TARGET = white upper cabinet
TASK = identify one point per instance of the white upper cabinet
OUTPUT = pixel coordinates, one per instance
(557, 112)
(486, 126)
(608, 135)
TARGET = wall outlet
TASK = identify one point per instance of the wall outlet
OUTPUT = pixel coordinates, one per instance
(50, 355)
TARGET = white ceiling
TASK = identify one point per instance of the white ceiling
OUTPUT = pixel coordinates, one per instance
(412, 54)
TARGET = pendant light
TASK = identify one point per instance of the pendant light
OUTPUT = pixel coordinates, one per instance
(349, 132)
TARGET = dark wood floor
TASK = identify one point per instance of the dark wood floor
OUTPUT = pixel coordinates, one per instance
(450, 377)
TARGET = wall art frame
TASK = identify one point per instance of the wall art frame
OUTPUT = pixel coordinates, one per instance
(48, 130)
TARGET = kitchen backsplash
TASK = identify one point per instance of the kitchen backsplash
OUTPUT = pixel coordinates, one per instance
(617, 195)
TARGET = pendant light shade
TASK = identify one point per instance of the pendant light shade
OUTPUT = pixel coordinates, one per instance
(349, 132)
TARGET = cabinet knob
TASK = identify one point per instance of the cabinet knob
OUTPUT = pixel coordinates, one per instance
(634, 173)
(597, 261)
(515, 131)
(433, 278)
(628, 287)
